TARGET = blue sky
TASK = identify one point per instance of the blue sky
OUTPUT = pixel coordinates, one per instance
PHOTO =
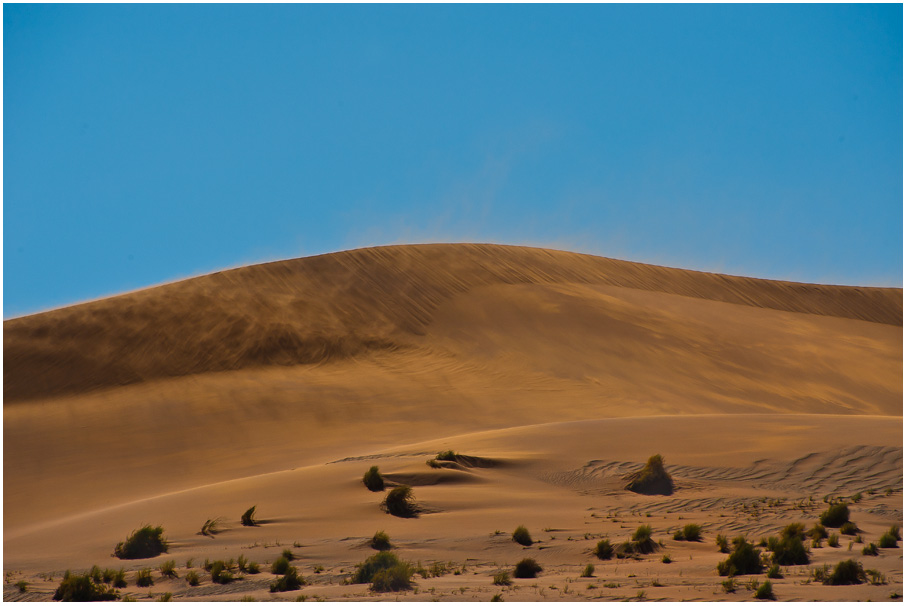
(146, 143)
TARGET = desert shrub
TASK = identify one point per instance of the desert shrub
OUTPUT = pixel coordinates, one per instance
(381, 541)
(22, 586)
(95, 573)
(895, 531)
(401, 503)
(871, 550)
(833, 540)
(143, 578)
(603, 550)
(818, 532)
(729, 585)
(280, 566)
(253, 568)
(875, 577)
(835, 516)
(373, 480)
(521, 535)
(396, 578)
(642, 540)
(849, 528)
(497, 598)
(502, 578)
(146, 542)
(847, 572)
(690, 532)
(774, 572)
(651, 479)
(220, 572)
(666, 559)
(745, 559)
(795, 530)
(82, 588)
(526, 568)
(192, 578)
(168, 570)
(165, 597)
(789, 549)
(367, 569)
(117, 578)
(290, 581)
(722, 543)
(764, 592)
(242, 563)
(248, 518)
(288, 554)
(588, 571)
(447, 455)
(888, 541)
(210, 527)
(857, 497)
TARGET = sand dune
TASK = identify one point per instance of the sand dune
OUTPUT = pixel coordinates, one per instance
(280, 384)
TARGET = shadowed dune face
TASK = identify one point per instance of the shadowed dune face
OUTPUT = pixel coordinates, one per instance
(341, 305)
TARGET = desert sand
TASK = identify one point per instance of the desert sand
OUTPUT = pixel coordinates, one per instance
(279, 385)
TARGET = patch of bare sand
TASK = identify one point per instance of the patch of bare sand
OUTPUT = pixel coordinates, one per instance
(561, 480)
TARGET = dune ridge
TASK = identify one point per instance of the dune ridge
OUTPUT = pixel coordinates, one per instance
(335, 306)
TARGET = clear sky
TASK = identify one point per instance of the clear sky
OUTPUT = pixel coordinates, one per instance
(147, 143)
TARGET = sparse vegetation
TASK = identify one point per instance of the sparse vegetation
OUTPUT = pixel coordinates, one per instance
(745, 559)
(385, 571)
(651, 479)
(165, 597)
(789, 549)
(248, 518)
(146, 542)
(192, 578)
(871, 550)
(835, 516)
(895, 531)
(168, 570)
(847, 572)
(588, 571)
(666, 559)
(526, 568)
(690, 532)
(774, 572)
(373, 480)
(289, 555)
(497, 598)
(502, 578)
(143, 578)
(22, 586)
(722, 543)
(211, 527)
(833, 540)
(603, 550)
(280, 566)
(221, 572)
(521, 535)
(764, 592)
(290, 581)
(81, 588)
(729, 585)
(818, 532)
(642, 540)
(849, 528)
(400, 502)
(889, 540)
(381, 541)
(447, 455)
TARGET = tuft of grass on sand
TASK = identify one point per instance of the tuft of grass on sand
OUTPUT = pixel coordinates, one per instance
(789, 549)
(871, 550)
(385, 571)
(722, 543)
(290, 581)
(745, 559)
(211, 527)
(82, 588)
(846, 572)
(502, 578)
(373, 480)
(248, 517)
(381, 542)
(526, 568)
(447, 455)
(168, 570)
(521, 535)
(889, 540)
(588, 571)
(690, 532)
(603, 550)
(835, 516)
(651, 479)
(765, 592)
(192, 578)
(143, 578)
(400, 502)
(280, 566)
(146, 542)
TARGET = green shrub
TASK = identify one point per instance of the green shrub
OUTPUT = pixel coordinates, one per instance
(289, 555)
(396, 578)
(146, 542)
(642, 540)
(588, 571)
(168, 570)
(835, 516)
(22, 586)
(220, 572)
(95, 574)
(192, 578)
(82, 588)
(722, 543)
(447, 455)
(849, 528)
(774, 572)
(367, 569)
(666, 559)
(521, 536)
(895, 531)
(888, 541)
(526, 568)
(373, 480)
(290, 581)
(788, 550)
(729, 585)
(401, 503)
(690, 532)
(833, 540)
(502, 578)
(253, 568)
(795, 530)
(603, 550)
(143, 578)
(210, 527)
(381, 541)
(818, 532)
(165, 597)
(651, 479)
(280, 566)
(871, 550)
(248, 518)
(847, 572)
(764, 592)
(745, 559)
(117, 578)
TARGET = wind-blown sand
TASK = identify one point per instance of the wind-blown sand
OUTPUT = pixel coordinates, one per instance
(279, 385)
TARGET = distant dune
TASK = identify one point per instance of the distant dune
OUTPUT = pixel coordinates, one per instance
(280, 384)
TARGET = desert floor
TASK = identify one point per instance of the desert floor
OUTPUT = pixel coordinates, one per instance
(280, 385)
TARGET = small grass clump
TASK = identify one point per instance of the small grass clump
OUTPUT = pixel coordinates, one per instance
(168, 570)
(373, 480)
(834, 540)
(789, 549)
(603, 550)
(385, 571)
(280, 566)
(192, 578)
(835, 516)
(722, 543)
(690, 532)
(221, 573)
(847, 572)
(400, 502)
(146, 542)
(818, 532)
(666, 559)
(447, 455)
(849, 528)
(774, 572)
(729, 585)
(22, 586)
(380, 542)
(642, 540)
(889, 540)
(143, 578)
(526, 568)
(211, 527)
(651, 479)
(764, 592)
(521, 535)
(248, 518)
(290, 581)
(82, 588)
(502, 578)
(588, 571)
(288, 554)
(745, 559)
(871, 550)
